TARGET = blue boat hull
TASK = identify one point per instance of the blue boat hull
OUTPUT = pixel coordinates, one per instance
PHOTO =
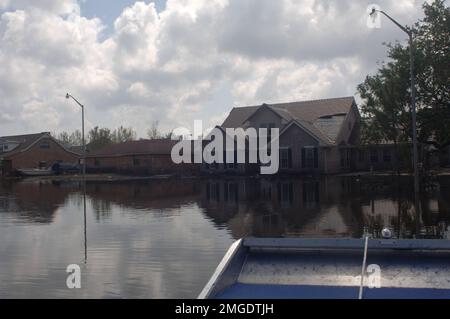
(249, 291)
(332, 269)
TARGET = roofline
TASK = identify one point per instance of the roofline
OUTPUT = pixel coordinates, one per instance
(43, 135)
(314, 136)
(258, 108)
(294, 102)
(125, 155)
(341, 129)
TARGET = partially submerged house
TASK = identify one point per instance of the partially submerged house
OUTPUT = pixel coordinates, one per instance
(317, 137)
(39, 150)
(143, 157)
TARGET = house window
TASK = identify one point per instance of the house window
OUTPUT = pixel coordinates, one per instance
(286, 193)
(136, 162)
(231, 192)
(387, 156)
(361, 155)
(42, 164)
(311, 194)
(310, 157)
(213, 191)
(286, 158)
(44, 145)
(97, 162)
(374, 156)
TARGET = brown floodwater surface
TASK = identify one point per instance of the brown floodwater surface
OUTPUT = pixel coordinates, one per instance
(163, 239)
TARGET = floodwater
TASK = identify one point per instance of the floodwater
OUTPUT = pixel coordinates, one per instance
(164, 238)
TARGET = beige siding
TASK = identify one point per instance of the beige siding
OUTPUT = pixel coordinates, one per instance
(296, 139)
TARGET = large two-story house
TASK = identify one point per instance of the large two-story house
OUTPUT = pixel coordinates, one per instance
(316, 137)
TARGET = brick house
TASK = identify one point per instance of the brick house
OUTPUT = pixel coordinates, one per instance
(39, 150)
(314, 135)
(143, 157)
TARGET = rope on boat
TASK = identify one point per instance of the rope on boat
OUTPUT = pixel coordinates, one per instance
(363, 270)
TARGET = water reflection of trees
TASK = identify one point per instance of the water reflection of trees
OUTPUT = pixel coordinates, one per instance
(34, 202)
(37, 202)
(266, 207)
(331, 207)
(140, 195)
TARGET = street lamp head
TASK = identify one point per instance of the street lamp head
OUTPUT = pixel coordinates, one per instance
(67, 96)
(374, 11)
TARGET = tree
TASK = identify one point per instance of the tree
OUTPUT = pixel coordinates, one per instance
(122, 134)
(433, 42)
(72, 139)
(62, 137)
(153, 133)
(99, 138)
(76, 138)
(386, 95)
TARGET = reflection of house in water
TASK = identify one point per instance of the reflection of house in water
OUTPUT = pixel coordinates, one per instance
(275, 208)
(226, 202)
(261, 207)
(34, 202)
(330, 207)
(154, 194)
(389, 203)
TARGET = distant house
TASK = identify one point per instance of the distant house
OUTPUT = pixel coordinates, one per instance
(143, 157)
(39, 150)
(316, 137)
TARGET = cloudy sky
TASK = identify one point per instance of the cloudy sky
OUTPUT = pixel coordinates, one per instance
(175, 61)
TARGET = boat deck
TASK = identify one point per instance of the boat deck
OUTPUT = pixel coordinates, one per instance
(268, 272)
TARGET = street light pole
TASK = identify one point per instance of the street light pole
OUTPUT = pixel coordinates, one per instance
(413, 103)
(68, 96)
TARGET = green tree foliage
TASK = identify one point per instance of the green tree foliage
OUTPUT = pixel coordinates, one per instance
(123, 134)
(433, 43)
(99, 138)
(154, 133)
(70, 139)
(386, 95)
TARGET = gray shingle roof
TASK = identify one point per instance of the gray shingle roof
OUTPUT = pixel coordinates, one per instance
(24, 142)
(323, 118)
(141, 147)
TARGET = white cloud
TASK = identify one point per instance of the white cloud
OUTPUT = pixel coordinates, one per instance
(169, 65)
(54, 6)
